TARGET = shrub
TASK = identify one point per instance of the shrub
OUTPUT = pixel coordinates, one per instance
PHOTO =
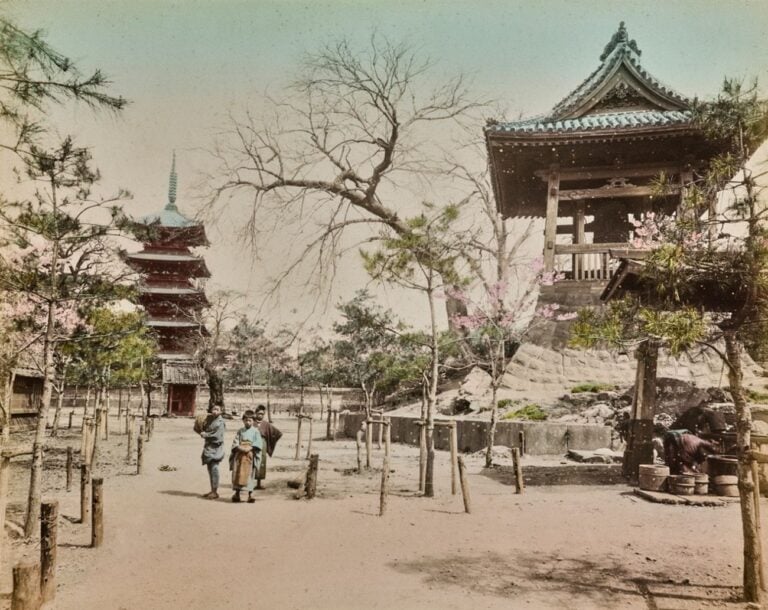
(592, 387)
(504, 403)
(755, 396)
(530, 412)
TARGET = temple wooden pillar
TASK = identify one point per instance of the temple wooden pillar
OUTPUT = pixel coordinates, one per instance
(550, 223)
(640, 441)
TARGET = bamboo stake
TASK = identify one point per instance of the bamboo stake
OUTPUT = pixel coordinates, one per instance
(422, 456)
(49, 513)
(454, 459)
(309, 442)
(519, 483)
(140, 451)
(26, 586)
(464, 486)
(368, 442)
(97, 520)
(70, 460)
(298, 439)
(384, 485)
(359, 445)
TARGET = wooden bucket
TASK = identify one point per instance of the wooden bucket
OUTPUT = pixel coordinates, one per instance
(682, 484)
(727, 485)
(701, 484)
(652, 477)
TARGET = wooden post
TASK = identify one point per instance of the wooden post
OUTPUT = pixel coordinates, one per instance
(384, 484)
(70, 460)
(454, 458)
(131, 428)
(422, 455)
(328, 424)
(640, 441)
(310, 486)
(298, 439)
(550, 222)
(71, 415)
(756, 496)
(521, 440)
(128, 420)
(105, 419)
(368, 441)
(49, 513)
(464, 486)
(26, 586)
(140, 451)
(84, 443)
(335, 424)
(359, 444)
(519, 484)
(309, 442)
(380, 430)
(85, 492)
(97, 523)
(93, 438)
(387, 437)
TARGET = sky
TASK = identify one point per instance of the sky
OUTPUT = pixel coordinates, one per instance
(185, 65)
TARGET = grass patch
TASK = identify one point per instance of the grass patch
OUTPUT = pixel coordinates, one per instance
(756, 396)
(592, 387)
(530, 412)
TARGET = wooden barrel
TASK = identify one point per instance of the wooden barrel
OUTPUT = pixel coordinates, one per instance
(727, 485)
(682, 484)
(652, 477)
(701, 484)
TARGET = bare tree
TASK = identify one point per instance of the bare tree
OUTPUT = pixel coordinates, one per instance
(339, 150)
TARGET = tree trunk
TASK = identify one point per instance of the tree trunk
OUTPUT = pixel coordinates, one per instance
(215, 387)
(269, 387)
(752, 557)
(322, 403)
(491, 437)
(429, 483)
(32, 522)
(7, 408)
(57, 412)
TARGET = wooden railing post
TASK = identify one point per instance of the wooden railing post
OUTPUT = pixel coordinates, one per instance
(49, 513)
(97, 514)
(85, 492)
(26, 586)
(70, 460)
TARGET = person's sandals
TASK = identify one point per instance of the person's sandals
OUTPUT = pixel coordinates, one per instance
(211, 495)
(236, 498)
(251, 499)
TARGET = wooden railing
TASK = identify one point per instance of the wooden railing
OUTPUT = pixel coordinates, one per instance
(587, 262)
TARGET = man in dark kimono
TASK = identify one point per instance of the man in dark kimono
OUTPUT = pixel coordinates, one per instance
(269, 435)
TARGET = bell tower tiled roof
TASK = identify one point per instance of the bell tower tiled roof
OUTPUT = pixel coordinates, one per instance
(620, 93)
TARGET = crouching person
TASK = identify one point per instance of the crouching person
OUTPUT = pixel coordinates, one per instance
(685, 453)
(244, 459)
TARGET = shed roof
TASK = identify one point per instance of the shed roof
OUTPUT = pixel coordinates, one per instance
(181, 373)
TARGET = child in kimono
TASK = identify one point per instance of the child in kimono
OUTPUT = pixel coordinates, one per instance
(244, 459)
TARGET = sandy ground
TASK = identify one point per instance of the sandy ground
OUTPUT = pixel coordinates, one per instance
(557, 547)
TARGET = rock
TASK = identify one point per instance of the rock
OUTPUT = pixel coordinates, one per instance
(477, 383)
(760, 427)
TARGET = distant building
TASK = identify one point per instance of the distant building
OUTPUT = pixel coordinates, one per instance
(172, 293)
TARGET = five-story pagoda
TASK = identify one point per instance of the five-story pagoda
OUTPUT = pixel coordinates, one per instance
(171, 292)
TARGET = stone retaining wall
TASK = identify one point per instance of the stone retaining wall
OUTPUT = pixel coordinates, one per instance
(539, 438)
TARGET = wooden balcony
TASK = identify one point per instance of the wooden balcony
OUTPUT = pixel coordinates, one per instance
(588, 262)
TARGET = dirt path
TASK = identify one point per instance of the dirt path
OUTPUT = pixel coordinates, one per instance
(559, 547)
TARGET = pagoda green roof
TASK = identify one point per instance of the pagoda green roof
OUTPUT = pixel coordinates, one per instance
(170, 217)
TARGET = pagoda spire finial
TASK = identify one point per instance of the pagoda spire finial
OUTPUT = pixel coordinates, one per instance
(620, 38)
(172, 182)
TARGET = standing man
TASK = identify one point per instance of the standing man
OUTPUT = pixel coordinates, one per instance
(269, 435)
(213, 449)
